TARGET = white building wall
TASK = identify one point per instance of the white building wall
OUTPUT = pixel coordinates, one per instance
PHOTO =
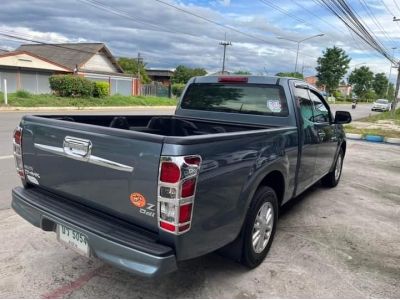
(99, 62)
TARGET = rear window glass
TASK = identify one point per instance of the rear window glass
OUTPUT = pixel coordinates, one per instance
(255, 99)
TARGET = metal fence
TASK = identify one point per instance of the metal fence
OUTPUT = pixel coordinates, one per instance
(155, 89)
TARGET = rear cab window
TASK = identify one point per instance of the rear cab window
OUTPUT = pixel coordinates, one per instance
(257, 99)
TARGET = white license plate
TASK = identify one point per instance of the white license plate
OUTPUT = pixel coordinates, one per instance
(73, 239)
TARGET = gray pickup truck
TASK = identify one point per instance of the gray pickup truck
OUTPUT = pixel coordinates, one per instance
(145, 192)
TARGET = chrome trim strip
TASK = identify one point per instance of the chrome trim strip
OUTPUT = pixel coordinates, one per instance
(90, 159)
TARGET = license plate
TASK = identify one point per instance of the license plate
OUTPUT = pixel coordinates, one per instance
(73, 239)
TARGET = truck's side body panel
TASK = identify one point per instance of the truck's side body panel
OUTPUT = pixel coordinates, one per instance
(231, 172)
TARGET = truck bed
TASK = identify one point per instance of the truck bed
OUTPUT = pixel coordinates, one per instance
(159, 125)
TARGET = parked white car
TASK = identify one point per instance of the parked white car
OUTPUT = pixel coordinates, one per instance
(381, 105)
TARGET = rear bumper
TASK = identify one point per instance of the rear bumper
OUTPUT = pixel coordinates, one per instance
(112, 240)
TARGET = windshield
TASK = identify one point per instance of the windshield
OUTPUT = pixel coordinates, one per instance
(382, 101)
(259, 99)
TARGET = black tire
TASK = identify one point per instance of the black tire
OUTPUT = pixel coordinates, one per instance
(331, 180)
(250, 258)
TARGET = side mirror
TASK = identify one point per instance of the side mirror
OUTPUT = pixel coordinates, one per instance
(342, 117)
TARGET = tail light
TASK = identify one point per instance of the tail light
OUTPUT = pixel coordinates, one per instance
(176, 192)
(17, 145)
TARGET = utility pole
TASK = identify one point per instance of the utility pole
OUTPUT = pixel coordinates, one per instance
(139, 59)
(224, 43)
(5, 92)
(390, 73)
(394, 104)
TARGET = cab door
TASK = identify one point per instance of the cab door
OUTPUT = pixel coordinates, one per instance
(309, 139)
(326, 134)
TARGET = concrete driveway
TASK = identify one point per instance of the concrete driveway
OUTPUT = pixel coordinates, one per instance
(330, 243)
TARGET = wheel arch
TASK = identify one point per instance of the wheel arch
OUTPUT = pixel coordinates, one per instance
(343, 147)
(276, 181)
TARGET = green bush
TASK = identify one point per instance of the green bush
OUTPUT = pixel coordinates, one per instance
(101, 89)
(23, 94)
(336, 94)
(177, 89)
(71, 86)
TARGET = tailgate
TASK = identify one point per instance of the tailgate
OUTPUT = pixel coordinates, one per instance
(112, 170)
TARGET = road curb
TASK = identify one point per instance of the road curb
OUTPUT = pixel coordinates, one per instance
(72, 108)
(373, 138)
(354, 136)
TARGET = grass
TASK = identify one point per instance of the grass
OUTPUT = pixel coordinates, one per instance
(388, 115)
(387, 132)
(363, 131)
(45, 100)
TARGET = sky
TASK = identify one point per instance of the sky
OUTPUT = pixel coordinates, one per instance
(167, 37)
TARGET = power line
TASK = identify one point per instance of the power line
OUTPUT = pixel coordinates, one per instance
(222, 25)
(352, 21)
(23, 37)
(283, 11)
(125, 14)
(397, 6)
(389, 11)
(360, 47)
(374, 19)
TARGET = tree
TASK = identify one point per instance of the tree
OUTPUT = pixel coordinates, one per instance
(290, 74)
(182, 74)
(242, 72)
(380, 84)
(130, 66)
(332, 66)
(361, 79)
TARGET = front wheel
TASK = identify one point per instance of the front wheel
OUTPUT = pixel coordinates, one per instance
(332, 178)
(260, 226)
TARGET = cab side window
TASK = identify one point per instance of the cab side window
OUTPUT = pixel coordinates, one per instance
(320, 110)
(306, 106)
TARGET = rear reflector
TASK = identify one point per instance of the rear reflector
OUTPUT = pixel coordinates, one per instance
(167, 226)
(188, 188)
(233, 79)
(193, 160)
(170, 172)
(184, 227)
(185, 213)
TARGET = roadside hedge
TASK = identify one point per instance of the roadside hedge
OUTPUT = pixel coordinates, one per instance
(101, 89)
(71, 86)
(177, 89)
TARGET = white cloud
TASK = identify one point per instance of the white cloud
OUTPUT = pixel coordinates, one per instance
(167, 37)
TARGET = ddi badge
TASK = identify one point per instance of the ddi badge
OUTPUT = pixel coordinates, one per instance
(138, 199)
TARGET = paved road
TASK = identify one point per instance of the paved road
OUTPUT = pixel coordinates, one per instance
(339, 243)
(362, 110)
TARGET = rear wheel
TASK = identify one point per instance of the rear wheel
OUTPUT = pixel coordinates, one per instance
(332, 178)
(260, 227)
